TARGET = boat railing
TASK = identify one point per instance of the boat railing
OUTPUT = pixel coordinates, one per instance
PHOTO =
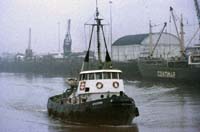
(194, 60)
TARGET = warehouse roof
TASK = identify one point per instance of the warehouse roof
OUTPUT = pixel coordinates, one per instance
(130, 39)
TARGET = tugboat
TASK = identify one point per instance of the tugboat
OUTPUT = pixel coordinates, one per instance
(98, 96)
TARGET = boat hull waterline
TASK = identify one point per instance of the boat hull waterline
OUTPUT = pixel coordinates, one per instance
(115, 110)
(181, 74)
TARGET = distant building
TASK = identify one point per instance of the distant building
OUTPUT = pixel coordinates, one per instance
(28, 54)
(81, 55)
(7, 57)
(19, 57)
(131, 47)
(56, 55)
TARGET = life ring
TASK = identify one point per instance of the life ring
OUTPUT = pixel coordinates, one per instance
(99, 85)
(115, 84)
(82, 86)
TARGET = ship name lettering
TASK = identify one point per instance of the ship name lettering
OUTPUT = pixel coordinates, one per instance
(166, 74)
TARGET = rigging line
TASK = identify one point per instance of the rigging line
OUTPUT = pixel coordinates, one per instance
(108, 59)
(91, 38)
(161, 32)
(85, 34)
(91, 18)
(193, 37)
(88, 51)
(104, 38)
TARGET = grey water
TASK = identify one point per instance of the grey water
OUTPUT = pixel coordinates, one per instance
(163, 107)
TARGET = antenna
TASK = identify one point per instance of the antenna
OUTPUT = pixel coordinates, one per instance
(110, 2)
(97, 11)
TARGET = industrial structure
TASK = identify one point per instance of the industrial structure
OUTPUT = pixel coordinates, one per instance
(131, 47)
(67, 41)
(29, 52)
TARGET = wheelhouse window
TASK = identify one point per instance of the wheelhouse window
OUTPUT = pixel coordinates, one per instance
(83, 77)
(107, 75)
(99, 75)
(91, 76)
(114, 75)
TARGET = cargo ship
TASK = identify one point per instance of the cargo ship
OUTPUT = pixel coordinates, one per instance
(185, 68)
(158, 69)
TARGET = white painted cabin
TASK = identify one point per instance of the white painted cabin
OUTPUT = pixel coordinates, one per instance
(99, 84)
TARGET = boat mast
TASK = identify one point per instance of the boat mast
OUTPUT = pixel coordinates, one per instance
(98, 20)
(180, 38)
(150, 37)
(99, 26)
(110, 2)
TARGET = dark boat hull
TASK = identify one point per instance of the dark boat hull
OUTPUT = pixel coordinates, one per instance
(115, 111)
(183, 74)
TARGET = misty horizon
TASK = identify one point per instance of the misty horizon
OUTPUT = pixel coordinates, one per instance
(128, 18)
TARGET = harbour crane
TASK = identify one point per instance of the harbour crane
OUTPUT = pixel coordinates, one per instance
(197, 10)
(67, 41)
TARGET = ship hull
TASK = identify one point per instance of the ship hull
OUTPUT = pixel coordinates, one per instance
(162, 72)
(130, 69)
(115, 111)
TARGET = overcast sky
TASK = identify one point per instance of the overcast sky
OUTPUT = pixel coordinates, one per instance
(129, 17)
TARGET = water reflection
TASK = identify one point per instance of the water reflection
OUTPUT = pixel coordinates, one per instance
(67, 127)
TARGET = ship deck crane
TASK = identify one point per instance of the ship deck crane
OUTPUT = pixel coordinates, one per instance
(160, 34)
(181, 38)
(197, 10)
(196, 4)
